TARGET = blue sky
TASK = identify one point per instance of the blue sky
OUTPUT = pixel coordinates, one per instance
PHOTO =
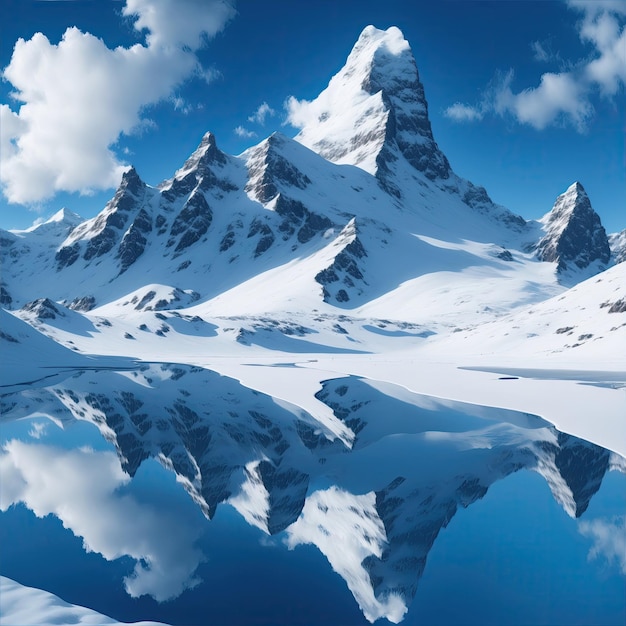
(524, 97)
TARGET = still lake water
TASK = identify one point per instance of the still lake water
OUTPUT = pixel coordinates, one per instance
(474, 522)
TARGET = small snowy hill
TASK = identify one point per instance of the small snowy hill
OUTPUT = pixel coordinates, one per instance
(28, 355)
(585, 323)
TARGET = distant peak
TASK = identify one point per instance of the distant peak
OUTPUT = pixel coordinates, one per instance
(573, 200)
(208, 142)
(63, 218)
(574, 234)
(65, 215)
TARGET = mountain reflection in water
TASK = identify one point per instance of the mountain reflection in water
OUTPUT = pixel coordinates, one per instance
(371, 491)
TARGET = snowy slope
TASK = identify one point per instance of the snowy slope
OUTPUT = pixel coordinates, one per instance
(25, 606)
(587, 322)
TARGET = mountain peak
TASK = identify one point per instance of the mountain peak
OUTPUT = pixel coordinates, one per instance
(373, 110)
(205, 154)
(131, 181)
(573, 200)
(573, 231)
(575, 190)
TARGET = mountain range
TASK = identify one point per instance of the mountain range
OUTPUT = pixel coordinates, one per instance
(360, 205)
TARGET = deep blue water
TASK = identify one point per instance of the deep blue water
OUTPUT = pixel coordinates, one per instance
(511, 557)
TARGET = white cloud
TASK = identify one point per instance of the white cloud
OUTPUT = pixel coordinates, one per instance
(598, 6)
(564, 97)
(181, 105)
(259, 116)
(609, 539)
(558, 96)
(82, 489)
(77, 97)
(300, 113)
(463, 113)
(240, 131)
(539, 51)
(608, 36)
(179, 23)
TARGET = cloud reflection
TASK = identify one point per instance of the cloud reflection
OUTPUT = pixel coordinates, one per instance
(84, 489)
(609, 539)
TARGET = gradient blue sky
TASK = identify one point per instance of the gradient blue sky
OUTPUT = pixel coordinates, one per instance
(525, 147)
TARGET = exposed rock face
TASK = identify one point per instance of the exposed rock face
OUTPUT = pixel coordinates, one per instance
(98, 237)
(191, 223)
(5, 296)
(44, 309)
(575, 237)
(268, 170)
(84, 303)
(617, 243)
(134, 241)
(344, 276)
(296, 217)
(204, 170)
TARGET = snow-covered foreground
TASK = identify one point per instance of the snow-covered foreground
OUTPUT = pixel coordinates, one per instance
(562, 360)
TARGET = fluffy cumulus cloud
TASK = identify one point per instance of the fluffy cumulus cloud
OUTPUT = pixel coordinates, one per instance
(179, 23)
(244, 133)
(558, 95)
(464, 112)
(82, 488)
(76, 97)
(563, 97)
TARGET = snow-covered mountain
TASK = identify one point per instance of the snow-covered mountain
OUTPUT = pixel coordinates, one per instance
(268, 326)
(362, 205)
